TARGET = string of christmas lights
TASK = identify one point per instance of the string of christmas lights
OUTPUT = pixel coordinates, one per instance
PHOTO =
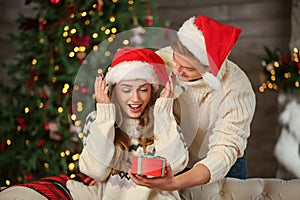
(281, 71)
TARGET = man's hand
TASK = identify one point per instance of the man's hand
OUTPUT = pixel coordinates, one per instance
(168, 91)
(166, 183)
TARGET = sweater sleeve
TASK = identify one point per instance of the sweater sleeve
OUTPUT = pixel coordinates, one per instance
(98, 146)
(232, 128)
(169, 142)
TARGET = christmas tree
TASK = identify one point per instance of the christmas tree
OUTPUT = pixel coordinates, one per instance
(39, 135)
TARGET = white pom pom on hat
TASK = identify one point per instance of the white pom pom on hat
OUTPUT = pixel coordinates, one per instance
(132, 63)
(210, 42)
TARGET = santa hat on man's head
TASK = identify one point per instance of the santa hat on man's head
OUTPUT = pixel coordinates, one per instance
(132, 63)
(210, 42)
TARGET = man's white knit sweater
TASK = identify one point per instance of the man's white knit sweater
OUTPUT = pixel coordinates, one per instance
(216, 123)
(99, 150)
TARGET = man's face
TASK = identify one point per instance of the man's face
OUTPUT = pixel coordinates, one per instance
(187, 68)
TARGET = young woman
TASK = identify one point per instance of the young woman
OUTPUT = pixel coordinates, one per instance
(133, 117)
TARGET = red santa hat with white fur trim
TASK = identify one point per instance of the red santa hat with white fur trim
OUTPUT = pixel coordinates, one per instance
(132, 63)
(210, 42)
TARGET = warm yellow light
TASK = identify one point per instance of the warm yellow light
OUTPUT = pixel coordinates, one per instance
(125, 42)
(73, 117)
(19, 128)
(112, 19)
(53, 79)
(296, 50)
(95, 48)
(67, 152)
(65, 34)
(80, 135)
(95, 35)
(26, 110)
(42, 40)
(270, 85)
(75, 156)
(35, 78)
(62, 154)
(46, 165)
(56, 67)
(71, 54)
(8, 142)
(103, 28)
(27, 142)
(34, 61)
(73, 31)
(66, 28)
(261, 89)
(78, 123)
(7, 182)
(130, 2)
(273, 78)
(276, 64)
(87, 22)
(107, 31)
(110, 39)
(64, 90)
(287, 75)
(82, 48)
(297, 84)
(114, 30)
(107, 53)
(71, 166)
(272, 72)
(41, 105)
(72, 176)
(45, 150)
(66, 85)
(60, 109)
(68, 40)
(84, 13)
(76, 49)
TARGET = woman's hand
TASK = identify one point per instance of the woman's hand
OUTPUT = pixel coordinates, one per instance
(166, 183)
(168, 91)
(101, 90)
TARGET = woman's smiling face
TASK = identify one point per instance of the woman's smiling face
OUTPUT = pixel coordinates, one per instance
(133, 96)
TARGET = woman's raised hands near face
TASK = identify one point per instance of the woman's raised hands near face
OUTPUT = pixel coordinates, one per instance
(101, 90)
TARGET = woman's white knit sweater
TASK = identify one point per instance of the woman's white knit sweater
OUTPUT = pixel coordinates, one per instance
(216, 123)
(99, 150)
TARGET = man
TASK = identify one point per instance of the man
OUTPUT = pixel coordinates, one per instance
(217, 104)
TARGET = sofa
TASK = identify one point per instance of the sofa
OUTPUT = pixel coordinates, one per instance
(227, 188)
(252, 188)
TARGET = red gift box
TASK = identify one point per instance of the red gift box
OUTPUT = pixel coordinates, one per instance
(150, 166)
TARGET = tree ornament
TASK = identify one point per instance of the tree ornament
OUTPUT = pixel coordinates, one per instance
(149, 18)
(100, 5)
(54, 2)
(42, 23)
